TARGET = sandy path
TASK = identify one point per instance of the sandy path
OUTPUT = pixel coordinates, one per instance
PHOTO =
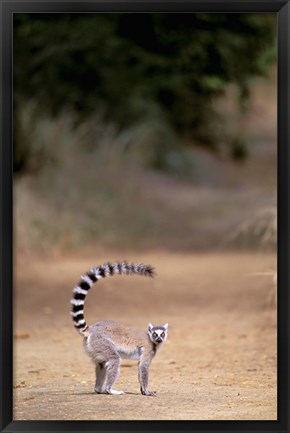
(219, 362)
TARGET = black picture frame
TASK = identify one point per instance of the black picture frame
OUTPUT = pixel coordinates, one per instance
(8, 8)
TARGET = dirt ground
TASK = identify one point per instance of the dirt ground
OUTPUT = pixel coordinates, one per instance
(219, 362)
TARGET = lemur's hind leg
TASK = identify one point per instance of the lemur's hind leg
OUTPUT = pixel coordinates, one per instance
(107, 367)
(100, 378)
(112, 370)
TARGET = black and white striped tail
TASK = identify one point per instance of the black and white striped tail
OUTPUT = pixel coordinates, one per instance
(95, 274)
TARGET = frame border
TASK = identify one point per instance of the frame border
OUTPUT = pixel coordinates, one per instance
(7, 8)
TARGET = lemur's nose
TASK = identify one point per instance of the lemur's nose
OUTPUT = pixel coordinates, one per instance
(158, 340)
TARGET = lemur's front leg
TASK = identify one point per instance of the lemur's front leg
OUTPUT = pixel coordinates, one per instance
(143, 376)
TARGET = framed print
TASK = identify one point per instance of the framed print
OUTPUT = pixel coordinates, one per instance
(145, 139)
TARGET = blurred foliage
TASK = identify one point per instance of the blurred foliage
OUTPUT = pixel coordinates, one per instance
(160, 70)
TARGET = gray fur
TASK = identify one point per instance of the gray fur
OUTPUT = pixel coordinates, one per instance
(108, 341)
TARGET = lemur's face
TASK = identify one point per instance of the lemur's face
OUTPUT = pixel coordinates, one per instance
(157, 334)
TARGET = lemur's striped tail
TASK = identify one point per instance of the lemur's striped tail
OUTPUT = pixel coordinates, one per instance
(95, 274)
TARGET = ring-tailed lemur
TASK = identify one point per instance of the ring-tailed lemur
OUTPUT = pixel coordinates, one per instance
(107, 341)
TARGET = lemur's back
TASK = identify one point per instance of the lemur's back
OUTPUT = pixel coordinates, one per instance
(129, 342)
(118, 332)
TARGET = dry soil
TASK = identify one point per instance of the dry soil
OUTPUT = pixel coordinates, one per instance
(219, 362)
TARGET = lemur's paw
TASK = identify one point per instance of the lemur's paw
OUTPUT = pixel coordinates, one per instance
(149, 393)
(114, 392)
(99, 391)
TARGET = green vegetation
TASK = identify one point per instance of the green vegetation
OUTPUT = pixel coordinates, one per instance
(108, 112)
(153, 78)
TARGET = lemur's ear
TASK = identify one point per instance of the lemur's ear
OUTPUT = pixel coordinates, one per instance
(150, 327)
(166, 326)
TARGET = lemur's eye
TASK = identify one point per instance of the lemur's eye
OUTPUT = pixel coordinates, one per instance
(154, 334)
(163, 334)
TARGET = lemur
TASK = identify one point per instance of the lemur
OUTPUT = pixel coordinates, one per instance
(108, 341)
